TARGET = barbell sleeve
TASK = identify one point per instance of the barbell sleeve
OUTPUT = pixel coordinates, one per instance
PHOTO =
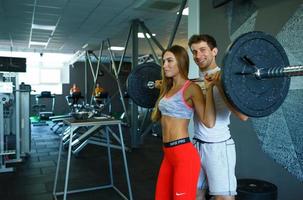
(151, 84)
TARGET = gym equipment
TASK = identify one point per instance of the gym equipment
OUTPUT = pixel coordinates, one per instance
(140, 84)
(5, 90)
(250, 189)
(12, 64)
(14, 121)
(80, 115)
(44, 115)
(107, 124)
(25, 128)
(255, 76)
(83, 113)
(105, 100)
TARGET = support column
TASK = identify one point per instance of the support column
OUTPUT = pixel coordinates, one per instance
(194, 17)
(193, 28)
(135, 139)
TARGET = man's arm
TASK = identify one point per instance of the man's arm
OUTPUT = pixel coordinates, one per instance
(218, 83)
(231, 108)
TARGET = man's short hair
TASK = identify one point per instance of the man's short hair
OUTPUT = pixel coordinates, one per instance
(210, 40)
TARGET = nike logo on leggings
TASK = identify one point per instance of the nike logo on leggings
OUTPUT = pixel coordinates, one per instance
(179, 194)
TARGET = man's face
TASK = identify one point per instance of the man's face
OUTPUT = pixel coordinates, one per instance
(203, 55)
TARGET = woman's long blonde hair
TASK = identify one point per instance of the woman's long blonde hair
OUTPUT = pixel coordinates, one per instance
(182, 58)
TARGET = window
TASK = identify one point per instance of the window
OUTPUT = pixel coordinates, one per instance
(44, 72)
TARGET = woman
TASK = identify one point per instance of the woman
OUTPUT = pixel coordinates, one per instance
(178, 99)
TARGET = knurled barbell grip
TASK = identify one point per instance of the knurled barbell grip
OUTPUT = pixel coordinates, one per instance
(279, 72)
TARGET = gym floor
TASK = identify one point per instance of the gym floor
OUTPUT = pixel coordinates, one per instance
(33, 179)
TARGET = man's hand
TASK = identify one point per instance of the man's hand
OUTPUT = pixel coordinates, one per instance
(212, 79)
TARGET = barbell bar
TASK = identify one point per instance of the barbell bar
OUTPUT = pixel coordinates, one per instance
(275, 72)
(255, 76)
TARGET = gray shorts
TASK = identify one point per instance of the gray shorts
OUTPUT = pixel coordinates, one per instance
(218, 162)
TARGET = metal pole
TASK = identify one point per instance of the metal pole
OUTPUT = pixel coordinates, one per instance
(97, 70)
(151, 47)
(125, 163)
(117, 80)
(179, 16)
(18, 117)
(125, 48)
(2, 164)
(151, 36)
(105, 67)
(85, 77)
(135, 140)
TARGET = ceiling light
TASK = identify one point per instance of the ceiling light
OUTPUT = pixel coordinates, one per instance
(141, 35)
(76, 57)
(184, 12)
(84, 46)
(43, 27)
(37, 43)
(115, 48)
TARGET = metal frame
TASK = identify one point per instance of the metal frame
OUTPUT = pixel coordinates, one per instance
(95, 123)
(3, 152)
(16, 125)
(115, 75)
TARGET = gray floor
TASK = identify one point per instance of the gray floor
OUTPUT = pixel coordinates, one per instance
(33, 179)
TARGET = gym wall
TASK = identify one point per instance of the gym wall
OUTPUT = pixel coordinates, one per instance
(269, 148)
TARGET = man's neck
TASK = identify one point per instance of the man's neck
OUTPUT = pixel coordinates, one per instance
(210, 67)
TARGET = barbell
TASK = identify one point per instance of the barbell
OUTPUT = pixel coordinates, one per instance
(255, 76)
(140, 84)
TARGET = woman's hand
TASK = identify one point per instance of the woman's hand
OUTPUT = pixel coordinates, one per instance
(158, 84)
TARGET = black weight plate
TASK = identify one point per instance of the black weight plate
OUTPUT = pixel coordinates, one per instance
(253, 189)
(137, 84)
(253, 97)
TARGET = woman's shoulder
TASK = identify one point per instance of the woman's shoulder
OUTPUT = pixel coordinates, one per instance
(193, 86)
(192, 89)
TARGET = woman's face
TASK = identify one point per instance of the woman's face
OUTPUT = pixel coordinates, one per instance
(170, 65)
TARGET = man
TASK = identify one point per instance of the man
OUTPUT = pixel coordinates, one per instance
(215, 145)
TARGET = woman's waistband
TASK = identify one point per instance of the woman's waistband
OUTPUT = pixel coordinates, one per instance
(177, 142)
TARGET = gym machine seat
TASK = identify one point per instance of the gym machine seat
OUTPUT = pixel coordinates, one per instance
(44, 115)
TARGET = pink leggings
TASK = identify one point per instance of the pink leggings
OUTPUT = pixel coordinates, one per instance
(179, 172)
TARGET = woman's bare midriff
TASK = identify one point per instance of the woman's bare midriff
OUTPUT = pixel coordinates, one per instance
(174, 128)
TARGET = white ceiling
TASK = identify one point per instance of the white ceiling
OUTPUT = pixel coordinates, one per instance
(80, 22)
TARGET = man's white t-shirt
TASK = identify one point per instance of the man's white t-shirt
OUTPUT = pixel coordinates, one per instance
(220, 131)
